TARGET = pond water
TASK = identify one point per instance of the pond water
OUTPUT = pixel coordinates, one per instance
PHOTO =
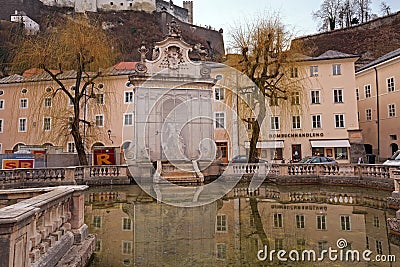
(243, 228)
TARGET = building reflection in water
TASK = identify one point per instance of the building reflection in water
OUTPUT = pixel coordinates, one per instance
(134, 230)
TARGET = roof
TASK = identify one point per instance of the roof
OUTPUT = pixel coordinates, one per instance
(328, 55)
(125, 65)
(332, 54)
(381, 59)
(36, 75)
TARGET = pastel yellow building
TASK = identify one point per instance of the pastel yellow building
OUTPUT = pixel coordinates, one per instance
(378, 100)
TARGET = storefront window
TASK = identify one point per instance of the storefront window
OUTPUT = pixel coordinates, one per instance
(341, 152)
(318, 151)
(277, 153)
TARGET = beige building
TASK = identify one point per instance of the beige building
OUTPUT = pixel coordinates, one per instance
(323, 120)
(378, 99)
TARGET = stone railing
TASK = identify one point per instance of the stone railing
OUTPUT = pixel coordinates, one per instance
(104, 174)
(39, 231)
(246, 168)
(36, 177)
(339, 170)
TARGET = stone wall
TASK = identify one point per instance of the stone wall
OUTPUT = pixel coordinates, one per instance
(370, 40)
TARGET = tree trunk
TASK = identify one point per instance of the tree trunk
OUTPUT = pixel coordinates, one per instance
(79, 145)
(255, 130)
(258, 222)
(80, 148)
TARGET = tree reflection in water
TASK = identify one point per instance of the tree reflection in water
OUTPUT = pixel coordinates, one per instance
(134, 230)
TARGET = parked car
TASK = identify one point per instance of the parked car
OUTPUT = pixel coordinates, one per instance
(393, 160)
(317, 160)
(245, 159)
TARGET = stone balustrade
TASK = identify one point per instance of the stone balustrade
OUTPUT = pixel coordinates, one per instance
(119, 174)
(15, 178)
(338, 170)
(100, 175)
(41, 230)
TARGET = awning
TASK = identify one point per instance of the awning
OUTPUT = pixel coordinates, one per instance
(266, 144)
(330, 143)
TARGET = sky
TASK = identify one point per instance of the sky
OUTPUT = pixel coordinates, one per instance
(296, 14)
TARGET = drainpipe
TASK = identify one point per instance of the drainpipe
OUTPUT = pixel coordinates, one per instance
(377, 112)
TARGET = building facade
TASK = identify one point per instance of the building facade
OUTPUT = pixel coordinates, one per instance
(322, 119)
(378, 100)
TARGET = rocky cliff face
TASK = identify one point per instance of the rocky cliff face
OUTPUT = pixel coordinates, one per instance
(368, 40)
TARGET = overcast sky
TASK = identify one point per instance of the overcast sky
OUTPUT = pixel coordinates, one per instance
(297, 14)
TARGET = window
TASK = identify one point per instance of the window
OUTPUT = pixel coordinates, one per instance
(219, 94)
(300, 221)
(357, 94)
(341, 152)
(321, 222)
(98, 245)
(22, 125)
(71, 147)
(47, 124)
(393, 137)
(221, 223)
(316, 121)
(337, 95)
(275, 123)
(47, 102)
(339, 120)
(296, 122)
(368, 114)
(301, 244)
(70, 121)
(315, 97)
(376, 222)
(100, 99)
(128, 98)
(221, 251)
(2, 104)
(1, 125)
(391, 110)
(250, 122)
(278, 244)
(127, 247)
(219, 120)
(273, 101)
(345, 222)
(126, 224)
(322, 245)
(378, 246)
(336, 69)
(278, 220)
(23, 103)
(390, 84)
(96, 221)
(128, 119)
(99, 120)
(277, 153)
(294, 72)
(313, 71)
(367, 90)
(295, 98)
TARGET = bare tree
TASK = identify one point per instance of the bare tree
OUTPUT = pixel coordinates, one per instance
(265, 58)
(385, 9)
(328, 14)
(75, 48)
(363, 9)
